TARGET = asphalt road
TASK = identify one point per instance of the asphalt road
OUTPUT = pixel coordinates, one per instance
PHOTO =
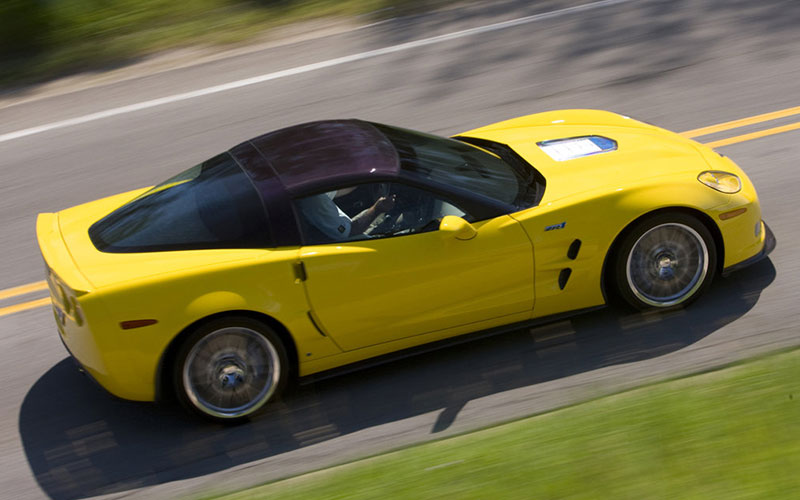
(679, 64)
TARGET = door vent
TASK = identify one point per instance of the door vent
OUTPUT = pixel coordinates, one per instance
(574, 248)
(563, 276)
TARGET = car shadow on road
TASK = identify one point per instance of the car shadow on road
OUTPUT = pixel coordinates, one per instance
(81, 442)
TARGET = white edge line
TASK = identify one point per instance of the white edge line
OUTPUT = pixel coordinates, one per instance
(302, 69)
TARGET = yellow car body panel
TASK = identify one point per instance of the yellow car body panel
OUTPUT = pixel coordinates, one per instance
(653, 152)
(176, 289)
(597, 192)
(126, 362)
(376, 291)
(367, 298)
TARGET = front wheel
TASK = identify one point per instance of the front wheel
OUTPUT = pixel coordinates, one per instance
(227, 369)
(665, 261)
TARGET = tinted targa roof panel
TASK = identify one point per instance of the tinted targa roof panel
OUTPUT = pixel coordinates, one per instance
(317, 154)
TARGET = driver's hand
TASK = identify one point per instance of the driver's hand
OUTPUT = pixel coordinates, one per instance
(385, 203)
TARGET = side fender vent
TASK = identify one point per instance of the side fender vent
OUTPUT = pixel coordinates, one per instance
(574, 248)
(563, 276)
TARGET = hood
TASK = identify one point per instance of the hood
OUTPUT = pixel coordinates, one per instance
(583, 150)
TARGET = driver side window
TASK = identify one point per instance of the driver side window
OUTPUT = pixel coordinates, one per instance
(373, 210)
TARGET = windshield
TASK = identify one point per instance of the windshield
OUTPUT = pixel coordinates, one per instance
(461, 165)
(211, 205)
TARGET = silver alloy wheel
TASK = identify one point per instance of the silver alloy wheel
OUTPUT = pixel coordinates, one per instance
(667, 264)
(231, 372)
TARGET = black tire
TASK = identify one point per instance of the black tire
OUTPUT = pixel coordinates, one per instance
(664, 261)
(229, 368)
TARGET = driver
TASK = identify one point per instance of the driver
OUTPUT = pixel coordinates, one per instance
(326, 216)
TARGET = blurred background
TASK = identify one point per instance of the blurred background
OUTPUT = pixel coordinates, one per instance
(42, 39)
(99, 97)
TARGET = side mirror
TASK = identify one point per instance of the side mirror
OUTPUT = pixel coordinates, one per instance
(457, 227)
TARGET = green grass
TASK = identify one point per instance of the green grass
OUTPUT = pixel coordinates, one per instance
(41, 39)
(730, 434)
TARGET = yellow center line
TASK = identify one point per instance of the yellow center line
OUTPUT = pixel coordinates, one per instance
(23, 289)
(24, 306)
(753, 135)
(774, 115)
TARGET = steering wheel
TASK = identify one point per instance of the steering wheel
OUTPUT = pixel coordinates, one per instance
(393, 213)
(415, 209)
(384, 224)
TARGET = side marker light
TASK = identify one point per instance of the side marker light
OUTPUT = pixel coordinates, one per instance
(732, 213)
(137, 323)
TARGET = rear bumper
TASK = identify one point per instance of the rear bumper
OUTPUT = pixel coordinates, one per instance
(769, 246)
(84, 370)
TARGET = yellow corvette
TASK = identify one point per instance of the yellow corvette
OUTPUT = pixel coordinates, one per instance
(328, 243)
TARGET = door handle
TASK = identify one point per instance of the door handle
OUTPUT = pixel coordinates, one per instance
(299, 272)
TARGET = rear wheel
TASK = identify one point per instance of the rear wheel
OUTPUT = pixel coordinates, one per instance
(665, 261)
(227, 369)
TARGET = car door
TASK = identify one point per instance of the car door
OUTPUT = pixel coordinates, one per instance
(410, 277)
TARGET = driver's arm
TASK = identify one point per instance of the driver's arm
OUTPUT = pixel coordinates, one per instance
(361, 222)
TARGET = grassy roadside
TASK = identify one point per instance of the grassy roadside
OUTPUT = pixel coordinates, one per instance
(733, 433)
(42, 39)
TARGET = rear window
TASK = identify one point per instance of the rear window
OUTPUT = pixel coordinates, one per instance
(212, 205)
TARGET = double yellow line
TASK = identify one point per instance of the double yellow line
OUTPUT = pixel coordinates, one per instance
(743, 122)
(23, 290)
(698, 132)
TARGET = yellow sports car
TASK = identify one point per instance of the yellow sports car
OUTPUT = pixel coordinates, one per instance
(332, 242)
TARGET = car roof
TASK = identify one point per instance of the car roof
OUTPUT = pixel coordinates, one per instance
(324, 153)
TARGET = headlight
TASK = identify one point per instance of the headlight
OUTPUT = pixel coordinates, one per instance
(723, 182)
